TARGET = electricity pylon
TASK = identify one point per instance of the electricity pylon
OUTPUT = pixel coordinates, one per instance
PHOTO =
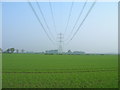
(60, 48)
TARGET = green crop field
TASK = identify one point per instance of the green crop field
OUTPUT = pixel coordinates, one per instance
(60, 71)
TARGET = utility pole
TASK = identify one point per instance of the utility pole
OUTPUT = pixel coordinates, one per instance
(60, 48)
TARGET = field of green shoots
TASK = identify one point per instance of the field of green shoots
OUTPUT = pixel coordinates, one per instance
(59, 71)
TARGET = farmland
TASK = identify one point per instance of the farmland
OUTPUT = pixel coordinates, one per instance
(60, 71)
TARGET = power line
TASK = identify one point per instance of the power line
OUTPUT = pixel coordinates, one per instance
(68, 17)
(39, 21)
(78, 18)
(83, 21)
(44, 18)
(52, 16)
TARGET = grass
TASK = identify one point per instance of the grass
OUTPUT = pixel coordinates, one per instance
(60, 71)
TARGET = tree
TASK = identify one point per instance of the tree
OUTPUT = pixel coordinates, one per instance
(22, 50)
(8, 50)
(12, 50)
(69, 51)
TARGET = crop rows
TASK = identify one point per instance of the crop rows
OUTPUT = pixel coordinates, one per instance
(60, 71)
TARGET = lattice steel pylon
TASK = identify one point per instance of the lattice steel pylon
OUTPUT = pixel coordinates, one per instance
(60, 46)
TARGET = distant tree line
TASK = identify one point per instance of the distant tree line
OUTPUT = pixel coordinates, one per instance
(12, 50)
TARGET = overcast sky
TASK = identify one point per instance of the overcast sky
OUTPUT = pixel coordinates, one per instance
(98, 34)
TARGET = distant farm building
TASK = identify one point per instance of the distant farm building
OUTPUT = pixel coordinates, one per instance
(51, 52)
(75, 52)
(78, 52)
